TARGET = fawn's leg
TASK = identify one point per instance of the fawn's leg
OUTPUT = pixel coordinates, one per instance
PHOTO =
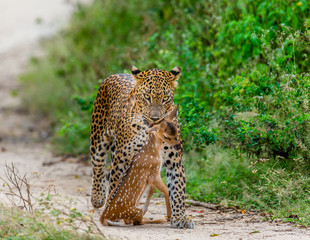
(127, 221)
(148, 199)
(160, 185)
(137, 216)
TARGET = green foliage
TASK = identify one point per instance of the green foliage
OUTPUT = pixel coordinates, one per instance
(75, 129)
(192, 114)
(269, 116)
(267, 110)
(219, 176)
(212, 42)
(217, 173)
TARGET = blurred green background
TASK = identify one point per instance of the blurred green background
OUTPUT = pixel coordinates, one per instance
(243, 94)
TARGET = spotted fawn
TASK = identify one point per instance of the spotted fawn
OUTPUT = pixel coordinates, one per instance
(143, 173)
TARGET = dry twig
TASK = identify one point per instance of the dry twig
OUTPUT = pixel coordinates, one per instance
(19, 187)
(202, 204)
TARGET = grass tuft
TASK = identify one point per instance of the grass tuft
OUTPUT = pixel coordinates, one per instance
(15, 224)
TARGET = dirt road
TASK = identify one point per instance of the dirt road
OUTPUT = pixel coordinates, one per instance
(23, 142)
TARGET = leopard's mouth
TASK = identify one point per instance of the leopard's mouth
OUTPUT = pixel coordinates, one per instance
(151, 122)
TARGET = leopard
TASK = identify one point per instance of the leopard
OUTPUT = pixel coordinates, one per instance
(126, 106)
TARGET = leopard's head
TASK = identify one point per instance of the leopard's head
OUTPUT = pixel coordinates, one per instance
(154, 92)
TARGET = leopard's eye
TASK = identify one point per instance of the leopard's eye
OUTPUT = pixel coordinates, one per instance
(147, 96)
(166, 137)
(166, 98)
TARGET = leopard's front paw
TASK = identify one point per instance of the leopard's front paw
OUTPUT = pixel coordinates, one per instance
(183, 222)
(97, 200)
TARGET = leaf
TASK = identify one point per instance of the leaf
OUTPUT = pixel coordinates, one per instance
(55, 212)
(214, 235)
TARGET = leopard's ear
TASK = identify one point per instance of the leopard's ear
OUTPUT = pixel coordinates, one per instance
(135, 72)
(176, 72)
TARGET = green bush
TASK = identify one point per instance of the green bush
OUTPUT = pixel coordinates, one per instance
(218, 175)
(267, 110)
(211, 42)
(270, 116)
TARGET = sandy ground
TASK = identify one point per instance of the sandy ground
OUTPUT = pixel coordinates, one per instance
(23, 142)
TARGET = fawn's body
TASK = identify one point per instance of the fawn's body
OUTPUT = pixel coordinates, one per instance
(143, 173)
